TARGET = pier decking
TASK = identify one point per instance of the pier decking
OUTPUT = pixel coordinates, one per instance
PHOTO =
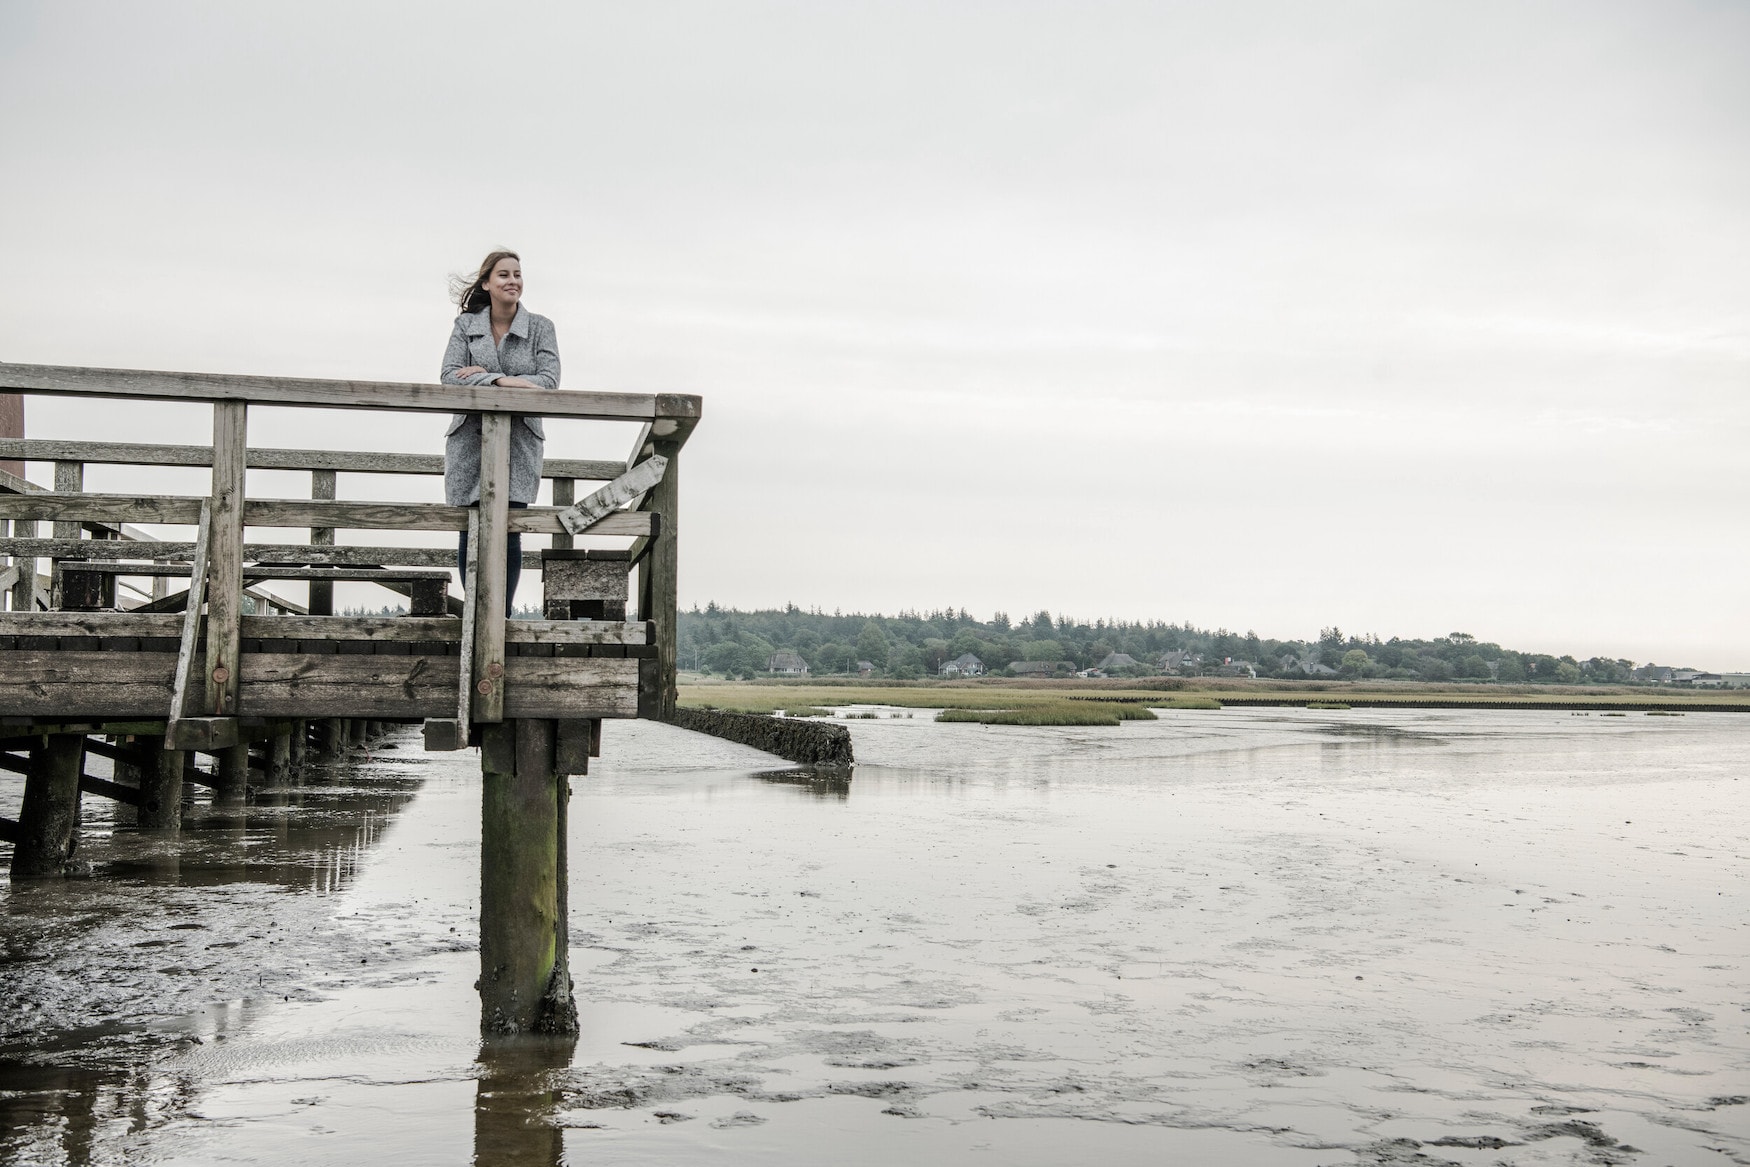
(208, 656)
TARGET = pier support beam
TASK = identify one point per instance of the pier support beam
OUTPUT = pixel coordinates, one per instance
(525, 976)
(279, 757)
(233, 773)
(48, 821)
(300, 743)
(161, 787)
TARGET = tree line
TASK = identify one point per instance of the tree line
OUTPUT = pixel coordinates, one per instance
(911, 645)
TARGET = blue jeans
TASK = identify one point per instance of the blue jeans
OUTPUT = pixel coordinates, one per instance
(513, 561)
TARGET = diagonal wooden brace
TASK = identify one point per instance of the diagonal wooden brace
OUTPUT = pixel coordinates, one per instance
(614, 495)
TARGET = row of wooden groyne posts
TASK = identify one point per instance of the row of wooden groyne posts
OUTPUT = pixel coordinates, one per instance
(152, 650)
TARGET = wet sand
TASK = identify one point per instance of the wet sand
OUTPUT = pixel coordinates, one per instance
(1237, 937)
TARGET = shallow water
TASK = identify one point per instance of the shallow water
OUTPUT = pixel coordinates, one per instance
(1237, 937)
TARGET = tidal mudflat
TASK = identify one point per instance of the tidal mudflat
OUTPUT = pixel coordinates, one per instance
(1237, 937)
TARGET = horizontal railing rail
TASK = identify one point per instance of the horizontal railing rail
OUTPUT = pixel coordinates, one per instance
(152, 385)
(297, 512)
(347, 461)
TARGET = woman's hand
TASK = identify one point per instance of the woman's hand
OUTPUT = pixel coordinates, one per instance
(463, 374)
(516, 383)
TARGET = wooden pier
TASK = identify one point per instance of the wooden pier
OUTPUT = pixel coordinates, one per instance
(149, 650)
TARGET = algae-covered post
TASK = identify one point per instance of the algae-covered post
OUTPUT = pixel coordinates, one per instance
(525, 978)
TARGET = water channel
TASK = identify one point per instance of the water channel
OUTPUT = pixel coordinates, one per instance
(1245, 937)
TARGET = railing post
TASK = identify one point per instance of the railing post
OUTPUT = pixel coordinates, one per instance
(69, 479)
(225, 571)
(24, 587)
(322, 484)
(489, 597)
(564, 494)
(659, 580)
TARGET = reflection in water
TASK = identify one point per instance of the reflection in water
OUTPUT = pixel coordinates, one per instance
(168, 923)
(516, 1098)
(820, 783)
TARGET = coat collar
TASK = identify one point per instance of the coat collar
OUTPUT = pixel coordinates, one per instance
(480, 323)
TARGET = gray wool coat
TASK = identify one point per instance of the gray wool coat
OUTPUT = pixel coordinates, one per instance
(530, 350)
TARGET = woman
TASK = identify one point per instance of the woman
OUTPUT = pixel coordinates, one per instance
(496, 341)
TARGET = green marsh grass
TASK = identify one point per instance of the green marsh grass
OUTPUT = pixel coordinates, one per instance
(1052, 713)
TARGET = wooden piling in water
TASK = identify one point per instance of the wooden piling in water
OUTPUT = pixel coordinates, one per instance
(279, 757)
(232, 773)
(161, 787)
(525, 976)
(48, 820)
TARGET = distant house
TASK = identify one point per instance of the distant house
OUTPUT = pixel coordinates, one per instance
(865, 668)
(1090, 674)
(1115, 661)
(1176, 659)
(1312, 666)
(786, 663)
(1708, 681)
(964, 665)
(1237, 668)
(1654, 674)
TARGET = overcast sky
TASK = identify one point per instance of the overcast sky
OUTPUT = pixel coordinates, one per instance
(1406, 317)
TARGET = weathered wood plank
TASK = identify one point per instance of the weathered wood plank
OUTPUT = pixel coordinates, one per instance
(69, 479)
(564, 494)
(50, 504)
(382, 629)
(173, 386)
(24, 588)
(332, 574)
(298, 513)
(88, 624)
(322, 487)
(320, 461)
(295, 685)
(470, 585)
(565, 687)
(659, 576)
(128, 551)
(489, 599)
(191, 624)
(207, 734)
(622, 490)
(225, 563)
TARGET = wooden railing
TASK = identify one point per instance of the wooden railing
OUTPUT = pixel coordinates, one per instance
(207, 685)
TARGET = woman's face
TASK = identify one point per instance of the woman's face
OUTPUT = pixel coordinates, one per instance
(505, 283)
